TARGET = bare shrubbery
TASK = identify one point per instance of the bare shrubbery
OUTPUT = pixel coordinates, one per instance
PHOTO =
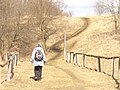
(23, 22)
(109, 7)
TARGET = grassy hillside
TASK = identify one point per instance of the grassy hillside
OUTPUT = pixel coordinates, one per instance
(60, 25)
(98, 38)
(93, 35)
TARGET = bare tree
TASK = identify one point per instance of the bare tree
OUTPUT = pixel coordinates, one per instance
(11, 13)
(98, 7)
(108, 6)
(20, 20)
(44, 11)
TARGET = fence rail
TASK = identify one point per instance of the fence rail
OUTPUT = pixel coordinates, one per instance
(12, 59)
(74, 56)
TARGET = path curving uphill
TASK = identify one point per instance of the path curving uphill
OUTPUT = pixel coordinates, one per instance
(58, 75)
(56, 46)
(80, 30)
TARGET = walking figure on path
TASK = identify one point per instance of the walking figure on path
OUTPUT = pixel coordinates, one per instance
(38, 59)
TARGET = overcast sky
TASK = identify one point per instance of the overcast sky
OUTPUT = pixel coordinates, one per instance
(80, 7)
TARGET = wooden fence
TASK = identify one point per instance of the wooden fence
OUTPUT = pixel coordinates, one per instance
(72, 56)
(11, 61)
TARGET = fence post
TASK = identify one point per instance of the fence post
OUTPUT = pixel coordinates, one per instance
(68, 57)
(6, 57)
(9, 70)
(12, 65)
(18, 57)
(15, 62)
(83, 60)
(0, 76)
(99, 65)
(113, 60)
(64, 45)
(74, 54)
(119, 73)
(75, 59)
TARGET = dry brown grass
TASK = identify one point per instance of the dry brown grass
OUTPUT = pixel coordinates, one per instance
(97, 38)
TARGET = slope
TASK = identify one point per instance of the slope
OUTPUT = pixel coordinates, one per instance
(95, 38)
(58, 77)
(98, 38)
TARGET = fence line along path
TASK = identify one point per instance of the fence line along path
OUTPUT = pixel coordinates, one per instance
(12, 60)
(72, 56)
(57, 75)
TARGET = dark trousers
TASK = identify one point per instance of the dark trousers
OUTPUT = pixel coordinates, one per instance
(38, 71)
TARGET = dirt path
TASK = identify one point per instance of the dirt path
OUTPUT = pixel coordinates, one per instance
(58, 75)
(53, 79)
(80, 30)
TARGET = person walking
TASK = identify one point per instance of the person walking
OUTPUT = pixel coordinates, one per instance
(38, 59)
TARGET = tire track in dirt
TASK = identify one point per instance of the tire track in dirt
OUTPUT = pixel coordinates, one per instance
(86, 24)
(60, 65)
(78, 84)
(54, 78)
(56, 47)
(74, 78)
